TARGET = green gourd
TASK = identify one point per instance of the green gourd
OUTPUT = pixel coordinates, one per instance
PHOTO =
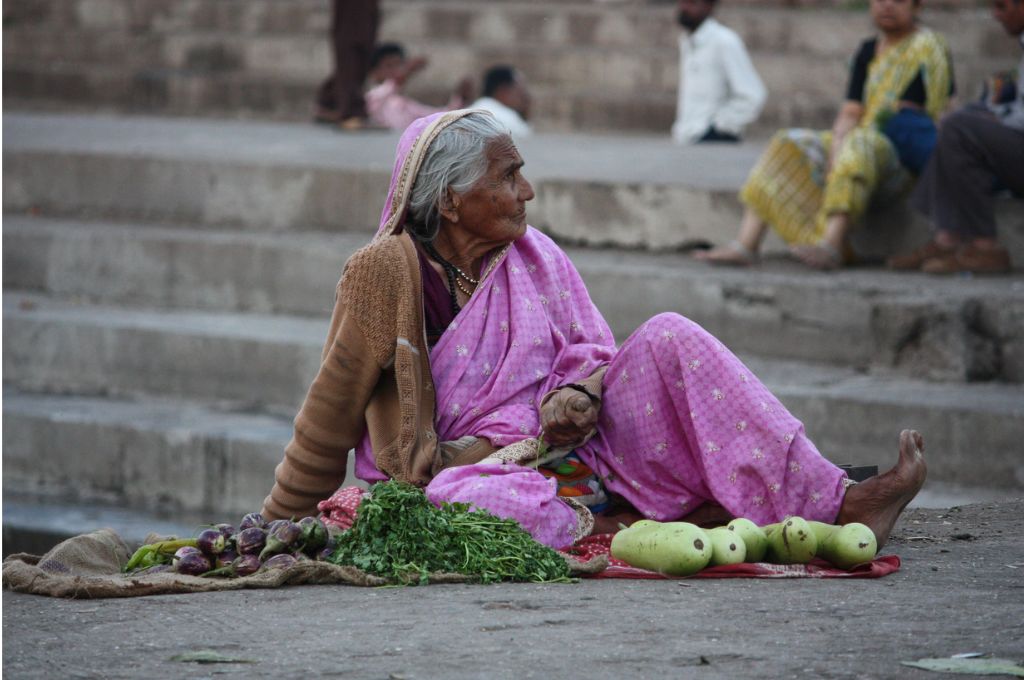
(672, 548)
(845, 546)
(793, 542)
(753, 537)
(727, 547)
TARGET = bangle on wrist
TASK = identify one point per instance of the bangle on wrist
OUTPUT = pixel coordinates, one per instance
(584, 390)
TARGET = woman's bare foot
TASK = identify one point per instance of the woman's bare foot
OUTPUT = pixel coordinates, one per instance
(878, 501)
(821, 256)
(734, 254)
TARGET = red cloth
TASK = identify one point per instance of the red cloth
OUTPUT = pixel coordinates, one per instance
(340, 511)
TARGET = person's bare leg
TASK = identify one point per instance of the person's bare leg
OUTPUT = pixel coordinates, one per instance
(826, 254)
(752, 231)
(878, 501)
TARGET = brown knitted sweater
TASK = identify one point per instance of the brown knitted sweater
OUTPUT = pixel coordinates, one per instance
(374, 375)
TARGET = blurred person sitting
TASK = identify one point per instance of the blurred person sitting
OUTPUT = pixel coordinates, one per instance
(506, 97)
(979, 148)
(720, 92)
(386, 105)
(811, 186)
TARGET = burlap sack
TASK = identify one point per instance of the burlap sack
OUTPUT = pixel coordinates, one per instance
(89, 566)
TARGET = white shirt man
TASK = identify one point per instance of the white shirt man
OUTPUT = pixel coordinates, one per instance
(506, 96)
(720, 92)
(506, 115)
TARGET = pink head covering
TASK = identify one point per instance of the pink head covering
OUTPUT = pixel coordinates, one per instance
(409, 155)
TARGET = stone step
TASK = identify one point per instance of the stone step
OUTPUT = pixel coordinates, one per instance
(939, 329)
(266, 361)
(625, 191)
(185, 461)
(593, 67)
(34, 524)
(581, 106)
(182, 458)
(185, 268)
(769, 25)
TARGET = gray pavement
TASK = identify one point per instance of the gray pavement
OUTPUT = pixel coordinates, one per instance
(959, 590)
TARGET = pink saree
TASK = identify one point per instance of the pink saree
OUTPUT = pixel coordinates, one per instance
(683, 421)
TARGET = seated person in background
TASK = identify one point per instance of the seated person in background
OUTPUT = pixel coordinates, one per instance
(720, 92)
(385, 103)
(506, 97)
(977, 146)
(811, 186)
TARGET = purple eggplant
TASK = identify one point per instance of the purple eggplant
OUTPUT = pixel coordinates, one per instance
(211, 541)
(274, 524)
(284, 536)
(241, 566)
(282, 561)
(253, 519)
(247, 564)
(183, 551)
(226, 530)
(193, 564)
(314, 535)
(250, 541)
(226, 558)
(328, 550)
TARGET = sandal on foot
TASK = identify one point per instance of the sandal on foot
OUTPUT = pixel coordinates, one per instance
(914, 260)
(971, 259)
(733, 254)
(820, 256)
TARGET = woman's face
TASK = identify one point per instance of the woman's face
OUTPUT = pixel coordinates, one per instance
(494, 209)
(894, 16)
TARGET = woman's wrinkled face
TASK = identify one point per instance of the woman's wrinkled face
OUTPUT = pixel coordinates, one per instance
(894, 16)
(494, 210)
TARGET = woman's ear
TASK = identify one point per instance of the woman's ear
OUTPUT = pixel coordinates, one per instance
(449, 206)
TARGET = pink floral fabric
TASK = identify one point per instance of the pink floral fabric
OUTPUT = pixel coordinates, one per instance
(683, 421)
(510, 491)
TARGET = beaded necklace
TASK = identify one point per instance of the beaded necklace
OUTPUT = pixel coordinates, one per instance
(454, 274)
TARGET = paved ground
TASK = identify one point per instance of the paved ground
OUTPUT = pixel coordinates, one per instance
(959, 590)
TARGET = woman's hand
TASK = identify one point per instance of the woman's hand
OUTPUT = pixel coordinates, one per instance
(848, 119)
(568, 416)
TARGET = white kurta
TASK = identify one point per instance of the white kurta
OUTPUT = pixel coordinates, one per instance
(718, 85)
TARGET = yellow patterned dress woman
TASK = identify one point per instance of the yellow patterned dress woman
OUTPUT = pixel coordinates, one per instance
(793, 189)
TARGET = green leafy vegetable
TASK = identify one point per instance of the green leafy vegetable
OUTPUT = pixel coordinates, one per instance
(400, 535)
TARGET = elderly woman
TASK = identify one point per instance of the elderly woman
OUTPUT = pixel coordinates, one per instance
(462, 338)
(812, 186)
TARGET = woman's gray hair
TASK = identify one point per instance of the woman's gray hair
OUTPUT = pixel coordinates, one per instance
(456, 160)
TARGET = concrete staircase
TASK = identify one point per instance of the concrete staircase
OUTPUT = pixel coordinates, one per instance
(167, 285)
(609, 66)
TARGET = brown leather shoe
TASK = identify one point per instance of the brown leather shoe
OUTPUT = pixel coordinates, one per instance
(914, 260)
(972, 259)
